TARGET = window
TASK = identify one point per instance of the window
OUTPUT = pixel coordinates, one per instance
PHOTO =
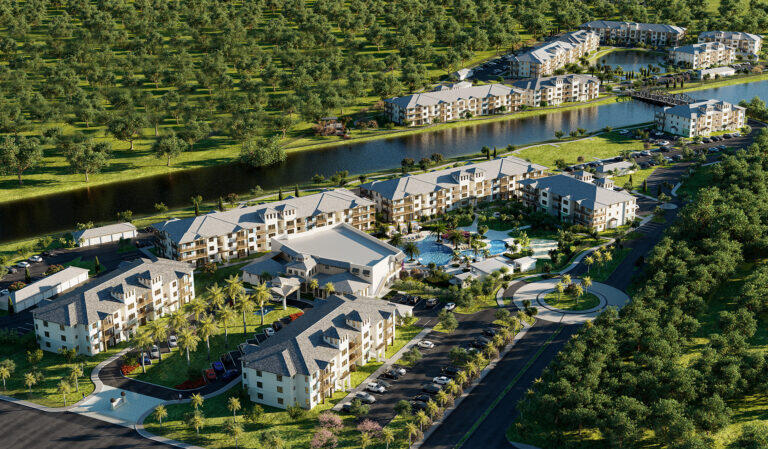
(47, 344)
(258, 373)
(95, 325)
(259, 385)
(280, 401)
(45, 323)
(47, 334)
(63, 338)
(279, 389)
(259, 396)
(279, 378)
(61, 327)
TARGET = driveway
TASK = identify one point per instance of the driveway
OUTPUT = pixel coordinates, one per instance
(33, 429)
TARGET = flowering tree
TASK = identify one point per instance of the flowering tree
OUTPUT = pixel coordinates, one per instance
(324, 438)
(370, 427)
(330, 421)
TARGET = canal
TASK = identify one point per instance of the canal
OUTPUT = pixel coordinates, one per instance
(59, 212)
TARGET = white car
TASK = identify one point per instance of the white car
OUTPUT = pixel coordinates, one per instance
(173, 341)
(399, 370)
(450, 306)
(154, 352)
(366, 398)
(441, 380)
(269, 332)
(426, 344)
(4, 292)
(36, 259)
(375, 388)
(23, 264)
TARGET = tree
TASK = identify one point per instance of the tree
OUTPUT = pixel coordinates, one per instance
(158, 332)
(233, 405)
(64, 388)
(19, 154)
(411, 250)
(225, 315)
(161, 208)
(196, 400)
(188, 341)
(753, 435)
(30, 379)
(329, 288)
(235, 429)
(448, 321)
(160, 413)
(196, 200)
(587, 282)
(262, 295)
(262, 152)
(196, 421)
(126, 127)
(207, 328)
(246, 307)
(412, 430)
(168, 146)
(88, 157)
(388, 436)
(194, 131)
(5, 373)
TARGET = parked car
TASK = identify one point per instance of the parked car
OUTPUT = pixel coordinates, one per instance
(483, 340)
(426, 344)
(173, 341)
(218, 366)
(678, 157)
(383, 383)
(210, 374)
(23, 264)
(375, 387)
(346, 408)
(230, 374)
(450, 370)
(422, 398)
(645, 153)
(366, 398)
(391, 374)
(276, 325)
(154, 352)
(450, 306)
(36, 259)
(147, 359)
(431, 388)
(727, 136)
(706, 140)
(418, 405)
(490, 332)
(441, 380)
(431, 302)
(269, 332)
(4, 292)
(399, 370)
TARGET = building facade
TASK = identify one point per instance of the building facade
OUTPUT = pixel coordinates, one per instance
(353, 261)
(701, 118)
(222, 236)
(548, 57)
(579, 202)
(632, 33)
(405, 199)
(744, 43)
(453, 102)
(99, 315)
(104, 234)
(701, 56)
(312, 358)
(555, 90)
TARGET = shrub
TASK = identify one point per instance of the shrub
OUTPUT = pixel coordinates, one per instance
(370, 427)
(330, 420)
(296, 412)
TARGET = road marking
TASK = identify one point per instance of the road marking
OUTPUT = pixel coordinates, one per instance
(506, 389)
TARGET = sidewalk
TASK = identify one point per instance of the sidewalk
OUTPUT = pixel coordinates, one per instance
(380, 370)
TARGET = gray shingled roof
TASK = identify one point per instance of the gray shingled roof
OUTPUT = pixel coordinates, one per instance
(547, 51)
(535, 84)
(700, 48)
(94, 301)
(399, 188)
(47, 283)
(221, 223)
(615, 25)
(583, 193)
(730, 35)
(300, 349)
(117, 228)
(450, 95)
(698, 108)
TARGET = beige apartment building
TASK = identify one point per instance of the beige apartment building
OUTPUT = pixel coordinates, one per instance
(548, 57)
(110, 310)
(453, 102)
(632, 33)
(555, 90)
(579, 201)
(744, 43)
(701, 118)
(312, 358)
(408, 198)
(222, 236)
(701, 56)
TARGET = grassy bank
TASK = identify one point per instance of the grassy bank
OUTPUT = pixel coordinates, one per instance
(588, 149)
(744, 79)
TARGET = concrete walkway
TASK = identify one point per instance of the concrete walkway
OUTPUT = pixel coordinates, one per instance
(387, 363)
(535, 292)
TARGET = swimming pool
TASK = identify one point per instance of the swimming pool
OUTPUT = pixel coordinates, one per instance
(495, 248)
(432, 252)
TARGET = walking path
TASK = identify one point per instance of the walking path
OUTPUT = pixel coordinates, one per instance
(535, 292)
(387, 363)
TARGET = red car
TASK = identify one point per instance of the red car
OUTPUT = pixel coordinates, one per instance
(210, 374)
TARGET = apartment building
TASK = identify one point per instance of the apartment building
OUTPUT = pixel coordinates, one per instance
(222, 236)
(743, 43)
(700, 118)
(408, 198)
(452, 102)
(550, 56)
(700, 56)
(612, 32)
(579, 202)
(103, 313)
(354, 262)
(555, 90)
(312, 358)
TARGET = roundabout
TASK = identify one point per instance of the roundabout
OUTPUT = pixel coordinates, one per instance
(559, 308)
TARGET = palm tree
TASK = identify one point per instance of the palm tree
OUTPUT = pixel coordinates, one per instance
(411, 250)
(442, 398)
(246, 307)
(559, 288)
(196, 200)
(74, 373)
(314, 285)
(197, 421)
(234, 286)
(188, 341)
(207, 329)
(64, 388)
(196, 400)
(587, 282)
(160, 413)
(607, 256)
(30, 379)
(588, 261)
(422, 419)
(456, 238)
(388, 436)
(432, 409)
(198, 307)
(365, 440)
(177, 320)
(567, 279)
(158, 332)
(142, 341)
(233, 404)
(453, 387)
(461, 378)
(236, 430)
(329, 288)
(225, 315)
(412, 431)
(262, 295)
(5, 373)
(396, 240)
(217, 296)
(438, 229)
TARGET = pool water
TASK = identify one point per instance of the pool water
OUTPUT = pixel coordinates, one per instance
(495, 248)
(432, 252)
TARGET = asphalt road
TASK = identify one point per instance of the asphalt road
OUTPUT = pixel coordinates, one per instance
(33, 429)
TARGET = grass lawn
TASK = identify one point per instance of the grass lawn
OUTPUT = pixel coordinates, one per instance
(481, 303)
(90, 264)
(603, 271)
(569, 301)
(637, 178)
(53, 368)
(403, 335)
(702, 177)
(600, 146)
(730, 81)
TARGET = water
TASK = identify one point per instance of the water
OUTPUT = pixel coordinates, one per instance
(58, 212)
(432, 252)
(633, 61)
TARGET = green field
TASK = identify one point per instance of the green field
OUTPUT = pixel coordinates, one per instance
(582, 150)
(569, 301)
